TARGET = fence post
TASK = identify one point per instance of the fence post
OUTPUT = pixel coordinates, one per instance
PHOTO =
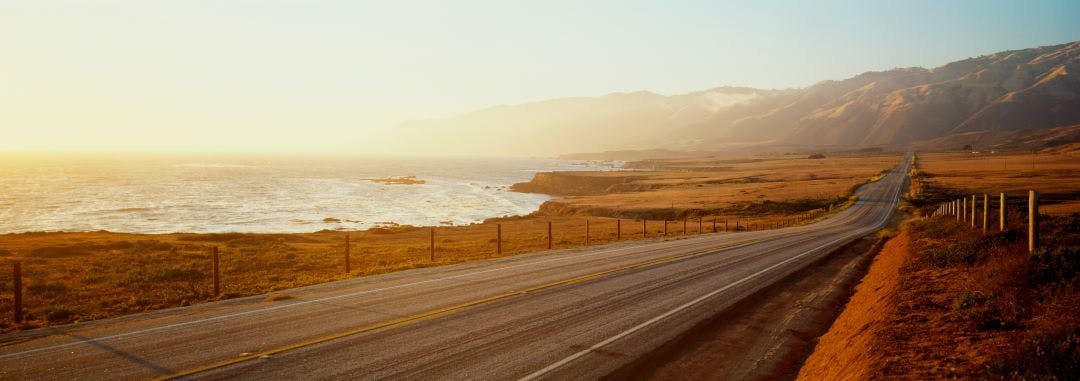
(1001, 212)
(725, 226)
(644, 228)
(986, 210)
(217, 275)
(714, 225)
(736, 225)
(973, 225)
(699, 225)
(963, 201)
(498, 239)
(16, 270)
(1033, 221)
(684, 225)
(431, 245)
(586, 232)
(549, 235)
(347, 247)
(665, 228)
(618, 229)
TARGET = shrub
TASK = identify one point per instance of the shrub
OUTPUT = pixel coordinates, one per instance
(968, 299)
(1047, 355)
(58, 252)
(118, 245)
(176, 275)
(57, 314)
(47, 288)
(1053, 266)
(143, 246)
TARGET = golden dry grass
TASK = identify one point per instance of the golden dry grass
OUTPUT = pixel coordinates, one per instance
(716, 186)
(70, 277)
(1055, 176)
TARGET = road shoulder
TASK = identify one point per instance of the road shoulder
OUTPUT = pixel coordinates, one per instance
(766, 335)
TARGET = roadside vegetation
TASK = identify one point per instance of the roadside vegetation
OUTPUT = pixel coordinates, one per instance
(945, 300)
(74, 277)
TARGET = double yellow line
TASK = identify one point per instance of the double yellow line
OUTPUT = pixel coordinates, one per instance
(450, 309)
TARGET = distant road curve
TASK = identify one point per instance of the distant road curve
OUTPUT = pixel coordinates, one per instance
(573, 313)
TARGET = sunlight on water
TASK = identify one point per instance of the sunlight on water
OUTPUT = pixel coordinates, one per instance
(252, 193)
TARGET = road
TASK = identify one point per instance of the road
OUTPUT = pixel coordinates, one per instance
(572, 313)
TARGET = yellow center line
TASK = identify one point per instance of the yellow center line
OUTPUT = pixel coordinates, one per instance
(447, 310)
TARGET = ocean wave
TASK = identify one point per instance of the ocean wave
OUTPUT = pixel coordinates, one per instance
(282, 196)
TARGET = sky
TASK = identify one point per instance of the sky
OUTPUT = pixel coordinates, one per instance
(338, 76)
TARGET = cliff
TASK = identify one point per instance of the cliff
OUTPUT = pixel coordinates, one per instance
(577, 183)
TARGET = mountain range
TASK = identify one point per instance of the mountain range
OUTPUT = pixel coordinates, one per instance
(994, 100)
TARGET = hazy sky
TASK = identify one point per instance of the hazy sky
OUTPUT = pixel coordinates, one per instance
(313, 76)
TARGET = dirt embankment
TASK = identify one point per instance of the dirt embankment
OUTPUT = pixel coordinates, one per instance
(943, 300)
(850, 349)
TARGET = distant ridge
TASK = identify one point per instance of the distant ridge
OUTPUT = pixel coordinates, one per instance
(999, 98)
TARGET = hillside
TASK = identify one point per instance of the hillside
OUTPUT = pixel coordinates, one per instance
(638, 120)
(997, 99)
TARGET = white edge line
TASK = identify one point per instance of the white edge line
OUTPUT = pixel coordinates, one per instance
(575, 356)
(305, 302)
(320, 300)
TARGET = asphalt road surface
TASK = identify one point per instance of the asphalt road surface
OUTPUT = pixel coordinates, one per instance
(573, 313)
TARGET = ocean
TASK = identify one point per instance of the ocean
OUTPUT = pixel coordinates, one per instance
(160, 193)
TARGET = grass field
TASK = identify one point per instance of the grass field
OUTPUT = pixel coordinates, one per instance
(715, 186)
(945, 300)
(1055, 176)
(70, 277)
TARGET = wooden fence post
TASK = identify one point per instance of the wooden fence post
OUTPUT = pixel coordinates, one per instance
(217, 275)
(644, 228)
(498, 239)
(986, 210)
(973, 225)
(618, 229)
(586, 232)
(963, 211)
(549, 235)
(699, 225)
(684, 225)
(347, 247)
(665, 228)
(1033, 221)
(16, 269)
(714, 225)
(1001, 213)
(431, 246)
